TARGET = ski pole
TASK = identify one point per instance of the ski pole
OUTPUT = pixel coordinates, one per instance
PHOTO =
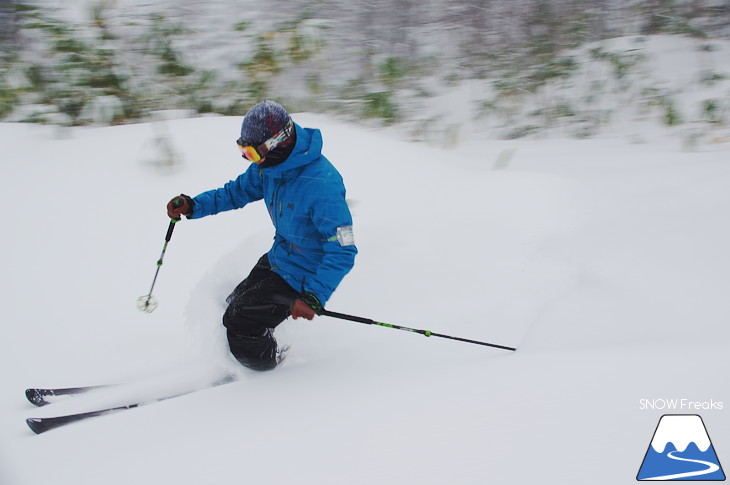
(426, 333)
(147, 303)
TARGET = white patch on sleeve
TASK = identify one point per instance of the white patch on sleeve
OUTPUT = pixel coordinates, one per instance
(345, 236)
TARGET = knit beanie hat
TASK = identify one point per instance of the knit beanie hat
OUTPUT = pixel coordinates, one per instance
(263, 121)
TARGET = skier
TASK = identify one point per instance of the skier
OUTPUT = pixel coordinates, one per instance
(313, 246)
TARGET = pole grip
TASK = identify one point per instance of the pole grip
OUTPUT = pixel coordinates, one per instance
(176, 202)
(170, 228)
(342, 316)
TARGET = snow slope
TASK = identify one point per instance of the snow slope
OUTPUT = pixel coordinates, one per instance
(604, 262)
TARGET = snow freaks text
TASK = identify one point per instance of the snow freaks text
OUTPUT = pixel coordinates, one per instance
(689, 405)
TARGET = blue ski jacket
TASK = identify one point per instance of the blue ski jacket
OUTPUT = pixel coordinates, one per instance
(305, 197)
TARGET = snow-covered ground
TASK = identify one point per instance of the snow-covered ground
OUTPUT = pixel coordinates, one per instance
(604, 262)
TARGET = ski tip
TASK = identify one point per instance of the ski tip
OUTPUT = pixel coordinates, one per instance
(35, 397)
(36, 425)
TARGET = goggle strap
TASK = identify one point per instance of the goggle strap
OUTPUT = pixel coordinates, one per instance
(274, 141)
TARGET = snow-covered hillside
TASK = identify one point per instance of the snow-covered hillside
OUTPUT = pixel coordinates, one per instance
(604, 262)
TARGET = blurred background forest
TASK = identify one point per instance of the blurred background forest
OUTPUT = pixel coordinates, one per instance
(510, 68)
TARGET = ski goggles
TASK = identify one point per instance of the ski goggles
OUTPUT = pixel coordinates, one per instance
(254, 153)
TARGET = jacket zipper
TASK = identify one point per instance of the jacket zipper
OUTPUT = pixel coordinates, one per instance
(274, 201)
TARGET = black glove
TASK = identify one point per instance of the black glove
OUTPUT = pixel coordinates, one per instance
(182, 205)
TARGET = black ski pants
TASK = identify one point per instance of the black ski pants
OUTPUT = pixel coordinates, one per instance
(258, 304)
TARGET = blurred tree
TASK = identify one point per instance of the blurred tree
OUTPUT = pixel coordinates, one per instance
(8, 29)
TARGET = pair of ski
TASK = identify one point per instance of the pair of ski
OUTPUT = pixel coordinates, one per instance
(42, 397)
